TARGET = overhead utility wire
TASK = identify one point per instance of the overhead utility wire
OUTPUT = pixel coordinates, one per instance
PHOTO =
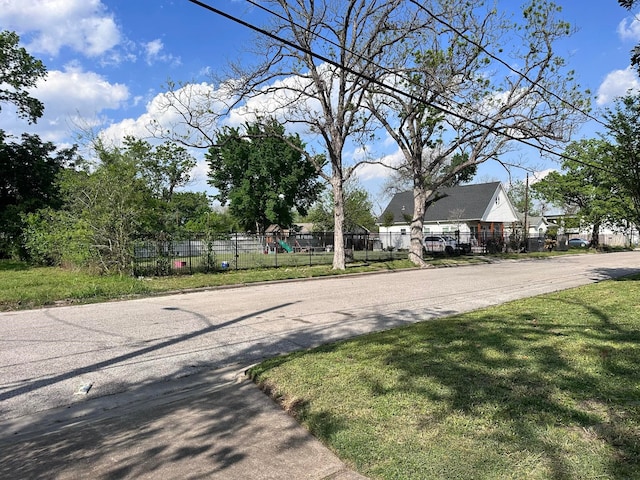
(499, 60)
(378, 82)
(387, 70)
(358, 55)
(455, 30)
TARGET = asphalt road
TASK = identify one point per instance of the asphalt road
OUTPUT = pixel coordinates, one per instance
(79, 356)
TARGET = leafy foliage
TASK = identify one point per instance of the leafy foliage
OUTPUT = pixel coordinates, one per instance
(623, 164)
(19, 72)
(164, 167)
(27, 183)
(586, 187)
(262, 174)
(104, 207)
(357, 211)
(518, 197)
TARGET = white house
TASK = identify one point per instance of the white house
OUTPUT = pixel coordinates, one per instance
(474, 212)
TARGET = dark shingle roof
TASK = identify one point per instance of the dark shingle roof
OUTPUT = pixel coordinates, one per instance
(471, 200)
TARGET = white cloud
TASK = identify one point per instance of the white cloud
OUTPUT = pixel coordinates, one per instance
(83, 91)
(154, 48)
(72, 98)
(154, 53)
(367, 172)
(82, 25)
(629, 29)
(616, 84)
(165, 111)
(537, 176)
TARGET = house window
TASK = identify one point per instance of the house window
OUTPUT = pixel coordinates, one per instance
(403, 231)
(498, 200)
(426, 229)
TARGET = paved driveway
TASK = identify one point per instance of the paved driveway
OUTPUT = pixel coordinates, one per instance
(52, 357)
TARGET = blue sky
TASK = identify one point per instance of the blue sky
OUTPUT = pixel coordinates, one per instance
(109, 59)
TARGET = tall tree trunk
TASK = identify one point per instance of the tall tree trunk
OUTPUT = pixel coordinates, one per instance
(338, 222)
(595, 235)
(420, 195)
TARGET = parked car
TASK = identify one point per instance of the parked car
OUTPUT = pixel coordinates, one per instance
(440, 244)
(578, 243)
(460, 247)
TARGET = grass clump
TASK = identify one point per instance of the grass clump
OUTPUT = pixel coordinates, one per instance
(543, 388)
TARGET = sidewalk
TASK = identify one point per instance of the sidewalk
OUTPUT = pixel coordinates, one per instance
(213, 425)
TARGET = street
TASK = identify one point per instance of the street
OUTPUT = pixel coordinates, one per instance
(154, 388)
(61, 356)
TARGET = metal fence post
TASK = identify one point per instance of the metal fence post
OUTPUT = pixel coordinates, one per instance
(275, 249)
(236, 252)
(366, 247)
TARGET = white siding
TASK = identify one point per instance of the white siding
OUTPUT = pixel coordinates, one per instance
(501, 210)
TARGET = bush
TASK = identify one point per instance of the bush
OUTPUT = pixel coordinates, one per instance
(51, 238)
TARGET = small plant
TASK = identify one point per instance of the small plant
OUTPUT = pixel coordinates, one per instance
(210, 258)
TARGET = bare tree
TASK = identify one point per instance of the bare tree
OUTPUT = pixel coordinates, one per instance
(319, 61)
(328, 60)
(453, 105)
(191, 113)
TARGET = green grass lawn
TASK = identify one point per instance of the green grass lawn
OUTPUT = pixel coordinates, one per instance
(543, 388)
(22, 286)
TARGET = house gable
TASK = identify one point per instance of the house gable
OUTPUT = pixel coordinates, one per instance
(500, 208)
(483, 202)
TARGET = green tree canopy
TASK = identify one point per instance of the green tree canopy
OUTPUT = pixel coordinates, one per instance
(262, 174)
(520, 199)
(185, 210)
(28, 171)
(586, 186)
(213, 221)
(106, 205)
(623, 164)
(19, 71)
(357, 210)
(164, 167)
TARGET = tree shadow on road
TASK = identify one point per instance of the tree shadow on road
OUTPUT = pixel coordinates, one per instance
(214, 429)
(516, 387)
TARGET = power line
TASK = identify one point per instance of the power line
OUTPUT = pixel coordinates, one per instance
(502, 62)
(390, 88)
(457, 32)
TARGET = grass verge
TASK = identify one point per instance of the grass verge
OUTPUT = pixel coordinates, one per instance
(23, 287)
(542, 388)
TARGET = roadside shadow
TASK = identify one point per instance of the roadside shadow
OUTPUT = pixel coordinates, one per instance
(215, 430)
(620, 274)
(514, 364)
(41, 383)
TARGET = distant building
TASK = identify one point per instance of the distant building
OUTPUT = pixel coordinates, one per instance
(474, 212)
